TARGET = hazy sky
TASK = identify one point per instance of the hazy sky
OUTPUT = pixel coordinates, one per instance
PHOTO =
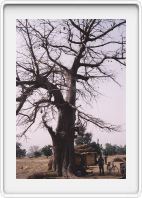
(110, 107)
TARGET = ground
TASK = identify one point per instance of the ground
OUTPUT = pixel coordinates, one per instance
(37, 168)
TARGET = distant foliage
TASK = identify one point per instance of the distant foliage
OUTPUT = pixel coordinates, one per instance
(96, 147)
(47, 150)
(83, 139)
(86, 138)
(37, 153)
(20, 152)
(34, 151)
(114, 149)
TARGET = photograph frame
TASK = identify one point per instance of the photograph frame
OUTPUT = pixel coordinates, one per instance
(3, 193)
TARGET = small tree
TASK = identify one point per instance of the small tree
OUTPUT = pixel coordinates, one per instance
(83, 139)
(96, 147)
(37, 154)
(109, 149)
(47, 150)
(34, 151)
(20, 152)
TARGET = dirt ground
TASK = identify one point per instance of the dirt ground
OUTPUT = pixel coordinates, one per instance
(37, 168)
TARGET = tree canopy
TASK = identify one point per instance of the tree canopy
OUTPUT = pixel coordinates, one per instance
(51, 54)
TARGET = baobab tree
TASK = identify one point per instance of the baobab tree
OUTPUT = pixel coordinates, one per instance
(59, 63)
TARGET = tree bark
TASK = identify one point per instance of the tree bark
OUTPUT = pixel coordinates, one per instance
(63, 142)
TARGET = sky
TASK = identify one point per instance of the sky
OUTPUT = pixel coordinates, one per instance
(109, 106)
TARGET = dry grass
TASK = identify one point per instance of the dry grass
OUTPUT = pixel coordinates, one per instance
(26, 167)
(37, 168)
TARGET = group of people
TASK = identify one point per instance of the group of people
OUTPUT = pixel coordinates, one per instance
(101, 161)
(110, 165)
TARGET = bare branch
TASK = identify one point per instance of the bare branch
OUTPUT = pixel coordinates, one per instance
(24, 96)
(107, 43)
(107, 31)
(60, 59)
(98, 122)
(50, 130)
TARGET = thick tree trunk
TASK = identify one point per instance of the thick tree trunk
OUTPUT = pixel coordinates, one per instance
(64, 157)
(63, 142)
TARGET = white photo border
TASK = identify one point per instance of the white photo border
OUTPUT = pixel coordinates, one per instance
(3, 193)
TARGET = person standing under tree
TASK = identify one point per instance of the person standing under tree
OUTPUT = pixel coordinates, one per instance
(105, 156)
(101, 165)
